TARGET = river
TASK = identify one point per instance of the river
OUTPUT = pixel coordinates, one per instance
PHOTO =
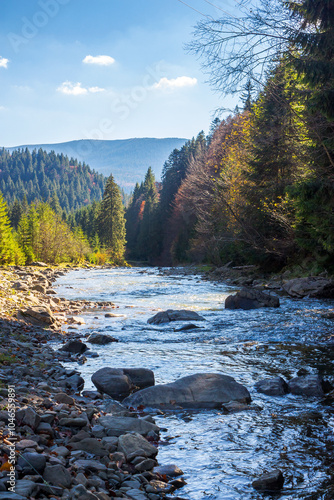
(220, 454)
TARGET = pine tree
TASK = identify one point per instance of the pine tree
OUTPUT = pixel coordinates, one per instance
(10, 253)
(111, 221)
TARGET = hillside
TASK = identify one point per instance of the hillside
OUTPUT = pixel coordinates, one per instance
(40, 175)
(127, 159)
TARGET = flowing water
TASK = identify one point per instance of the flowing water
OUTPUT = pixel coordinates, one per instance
(220, 454)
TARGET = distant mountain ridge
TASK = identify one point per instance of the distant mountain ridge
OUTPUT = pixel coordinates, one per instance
(127, 159)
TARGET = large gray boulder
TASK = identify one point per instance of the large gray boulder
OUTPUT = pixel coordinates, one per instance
(39, 315)
(203, 390)
(249, 298)
(116, 426)
(270, 481)
(309, 385)
(275, 386)
(132, 443)
(174, 315)
(310, 287)
(120, 382)
(74, 347)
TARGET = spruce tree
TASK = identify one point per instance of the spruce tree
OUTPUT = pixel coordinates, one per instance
(10, 253)
(111, 221)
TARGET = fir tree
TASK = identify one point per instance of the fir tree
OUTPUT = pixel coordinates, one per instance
(111, 220)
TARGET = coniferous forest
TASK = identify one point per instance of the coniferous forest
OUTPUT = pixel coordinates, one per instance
(259, 188)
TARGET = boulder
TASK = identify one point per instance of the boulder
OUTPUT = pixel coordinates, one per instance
(39, 315)
(203, 390)
(308, 385)
(101, 339)
(120, 382)
(116, 426)
(130, 443)
(271, 481)
(316, 287)
(249, 298)
(275, 386)
(76, 320)
(74, 347)
(172, 315)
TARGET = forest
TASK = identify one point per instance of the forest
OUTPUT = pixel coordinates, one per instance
(258, 189)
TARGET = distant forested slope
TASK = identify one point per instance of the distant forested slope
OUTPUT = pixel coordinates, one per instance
(39, 175)
(127, 159)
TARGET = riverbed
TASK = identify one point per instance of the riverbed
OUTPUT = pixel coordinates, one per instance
(220, 454)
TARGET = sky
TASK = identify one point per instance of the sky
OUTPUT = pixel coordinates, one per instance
(103, 69)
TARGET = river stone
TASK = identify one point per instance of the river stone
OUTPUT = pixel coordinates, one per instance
(62, 397)
(249, 298)
(101, 339)
(32, 463)
(116, 426)
(79, 492)
(202, 390)
(310, 287)
(74, 346)
(8, 495)
(130, 443)
(120, 382)
(309, 385)
(91, 445)
(90, 465)
(39, 315)
(174, 315)
(26, 488)
(58, 476)
(169, 470)
(275, 386)
(271, 481)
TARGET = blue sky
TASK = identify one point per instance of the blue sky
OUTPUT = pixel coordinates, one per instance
(103, 69)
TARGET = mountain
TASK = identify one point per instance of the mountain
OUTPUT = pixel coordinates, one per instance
(127, 159)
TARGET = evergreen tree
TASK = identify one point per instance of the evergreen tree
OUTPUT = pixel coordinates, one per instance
(10, 253)
(111, 221)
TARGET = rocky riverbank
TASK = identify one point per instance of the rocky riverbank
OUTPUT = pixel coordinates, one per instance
(62, 441)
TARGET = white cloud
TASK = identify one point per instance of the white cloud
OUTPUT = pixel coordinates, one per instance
(94, 90)
(2, 108)
(175, 83)
(100, 60)
(3, 62)
(70, 88)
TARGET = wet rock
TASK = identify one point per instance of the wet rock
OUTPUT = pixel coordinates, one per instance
(40, 315)
(189, 326)
(101, 339)
(113, 315)
(249, 298)
(28, 416)
(74, 346)
(58, 476)
(76, 320)
(119, 383)
(75, 382)
(32, 463)
(271, 481)
(159, 487)
(316, 287)
(275, 386)
(131, 443)
(116, 426)
(174, 315)
(169, 470)
(203, 390)
(235, 406)
(309, 385)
